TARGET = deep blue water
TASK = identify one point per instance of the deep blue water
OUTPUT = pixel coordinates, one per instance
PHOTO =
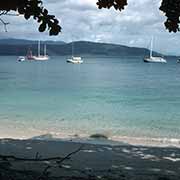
(115, 96)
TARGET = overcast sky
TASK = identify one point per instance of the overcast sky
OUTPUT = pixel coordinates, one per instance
(82, 20)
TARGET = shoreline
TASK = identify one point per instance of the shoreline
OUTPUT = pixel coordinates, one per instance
(100, 138)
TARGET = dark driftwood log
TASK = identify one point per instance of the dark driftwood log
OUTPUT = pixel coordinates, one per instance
(6, 160)
(58, 158)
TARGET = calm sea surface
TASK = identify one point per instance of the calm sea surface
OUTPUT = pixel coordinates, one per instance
(115, 96)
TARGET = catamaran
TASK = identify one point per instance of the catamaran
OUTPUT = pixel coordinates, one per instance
(74, 59)
(154, 59)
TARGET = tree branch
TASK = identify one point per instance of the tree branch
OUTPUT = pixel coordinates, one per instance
(4, 24)
(70, 154)
(36, 159)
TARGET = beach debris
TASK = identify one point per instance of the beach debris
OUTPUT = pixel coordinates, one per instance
(76, 135)
(14, 158)
(6, 163)
(98, 136)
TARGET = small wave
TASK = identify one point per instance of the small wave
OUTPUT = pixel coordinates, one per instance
(98, 137)
(161, 142)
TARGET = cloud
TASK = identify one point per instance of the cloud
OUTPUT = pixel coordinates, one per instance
(82, 20)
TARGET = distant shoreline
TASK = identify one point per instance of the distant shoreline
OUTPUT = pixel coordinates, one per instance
(88, 56)
(20, 47)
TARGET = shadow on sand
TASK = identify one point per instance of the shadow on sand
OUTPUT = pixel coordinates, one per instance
(21, 161)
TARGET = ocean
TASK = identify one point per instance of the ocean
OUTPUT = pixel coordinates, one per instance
(122, 98)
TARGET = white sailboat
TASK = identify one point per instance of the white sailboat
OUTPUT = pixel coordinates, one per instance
(40, 57)
(74, 59)
(154, 59)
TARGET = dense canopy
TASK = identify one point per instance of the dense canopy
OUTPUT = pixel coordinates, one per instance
(35, 9)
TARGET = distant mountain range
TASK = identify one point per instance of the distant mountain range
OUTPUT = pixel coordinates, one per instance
(19, 47)
(26, 42)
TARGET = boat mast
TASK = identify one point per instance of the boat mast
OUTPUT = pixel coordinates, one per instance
(151, 47)
(72, 48)
(44, 49)
(39, 48)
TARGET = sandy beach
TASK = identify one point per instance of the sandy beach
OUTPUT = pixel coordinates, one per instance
(87, 161)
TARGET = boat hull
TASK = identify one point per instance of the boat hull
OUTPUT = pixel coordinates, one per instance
(41, 58)
(38, 58)
(30, 58)
(154, 60)
(74, 61)
(20, 59)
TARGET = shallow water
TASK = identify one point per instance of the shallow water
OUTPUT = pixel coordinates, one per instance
(119, 97)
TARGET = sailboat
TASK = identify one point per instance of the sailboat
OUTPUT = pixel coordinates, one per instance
(74, 59)
(29, 55)
(40, 57)
(154, 59)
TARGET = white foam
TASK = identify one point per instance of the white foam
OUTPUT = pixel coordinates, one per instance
(142, 141)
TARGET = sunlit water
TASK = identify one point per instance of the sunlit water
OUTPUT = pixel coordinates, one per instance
(119, 97)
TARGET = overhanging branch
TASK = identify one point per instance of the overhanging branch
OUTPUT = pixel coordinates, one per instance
(2, 21)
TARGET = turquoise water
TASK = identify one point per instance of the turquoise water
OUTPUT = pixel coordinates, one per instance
(114, 96)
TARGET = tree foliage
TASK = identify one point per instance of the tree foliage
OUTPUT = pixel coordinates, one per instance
(171, 9)
(35, 9)
(117, 4)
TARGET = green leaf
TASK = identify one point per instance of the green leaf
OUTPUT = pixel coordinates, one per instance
(42, 27)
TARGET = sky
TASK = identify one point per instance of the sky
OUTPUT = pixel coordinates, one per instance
(82, 20)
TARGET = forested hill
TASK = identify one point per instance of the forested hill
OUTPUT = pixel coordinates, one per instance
(19, 47)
